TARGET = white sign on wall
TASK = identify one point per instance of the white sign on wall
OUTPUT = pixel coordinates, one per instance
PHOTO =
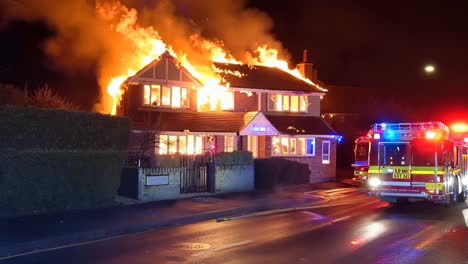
(153, 180)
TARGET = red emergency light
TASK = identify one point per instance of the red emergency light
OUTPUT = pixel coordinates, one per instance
(459, 127)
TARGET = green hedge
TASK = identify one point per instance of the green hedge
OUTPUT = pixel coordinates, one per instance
(279, 171)
(36, 128)
(45, 181)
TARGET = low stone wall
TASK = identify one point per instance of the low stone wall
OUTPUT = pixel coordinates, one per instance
(228, 179)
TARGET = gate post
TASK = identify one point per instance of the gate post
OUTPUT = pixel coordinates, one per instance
(211, 176)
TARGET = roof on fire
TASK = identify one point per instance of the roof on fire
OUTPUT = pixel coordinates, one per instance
(263, 77)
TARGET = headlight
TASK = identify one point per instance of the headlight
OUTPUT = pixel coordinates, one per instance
(374, 182)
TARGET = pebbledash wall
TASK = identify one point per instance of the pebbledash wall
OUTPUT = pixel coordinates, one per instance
(228, 179)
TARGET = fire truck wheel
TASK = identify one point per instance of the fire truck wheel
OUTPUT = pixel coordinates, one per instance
(462, 196)
(455, 190)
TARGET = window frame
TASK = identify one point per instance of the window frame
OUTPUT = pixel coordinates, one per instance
(298, 141)
(182, 90)
(326, 157)
(273, 105)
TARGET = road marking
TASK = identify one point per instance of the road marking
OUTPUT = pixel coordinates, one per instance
(341, 219)
(81, 243)
(222, 248)
(287, 210)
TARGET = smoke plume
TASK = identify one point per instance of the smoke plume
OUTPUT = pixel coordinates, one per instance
(113, 35)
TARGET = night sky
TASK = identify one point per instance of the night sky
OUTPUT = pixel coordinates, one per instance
(380, 46)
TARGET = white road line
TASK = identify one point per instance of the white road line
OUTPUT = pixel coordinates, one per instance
(341, 219)
(81, 243)
(222, 248)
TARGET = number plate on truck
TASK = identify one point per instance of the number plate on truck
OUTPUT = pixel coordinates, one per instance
(401, 176)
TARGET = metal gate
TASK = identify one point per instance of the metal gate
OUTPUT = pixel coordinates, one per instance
(193, 174)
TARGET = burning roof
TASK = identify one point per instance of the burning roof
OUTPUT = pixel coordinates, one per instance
(263, 77)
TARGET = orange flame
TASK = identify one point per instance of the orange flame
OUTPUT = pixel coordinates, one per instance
(149, 46)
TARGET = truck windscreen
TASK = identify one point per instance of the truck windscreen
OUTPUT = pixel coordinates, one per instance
(394, 154)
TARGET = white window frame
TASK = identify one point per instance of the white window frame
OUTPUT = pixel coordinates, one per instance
(297, 139)
(171, 88)
(273, 106)
(165, 137)
(326, 157)
(234, 144)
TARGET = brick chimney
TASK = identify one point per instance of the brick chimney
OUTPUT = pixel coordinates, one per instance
(307, 69)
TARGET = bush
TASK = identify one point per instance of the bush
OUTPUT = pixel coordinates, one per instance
(279, 171)
(236, 158)
(12, 95)
(44, 97)
(45, 181)
(36, 128)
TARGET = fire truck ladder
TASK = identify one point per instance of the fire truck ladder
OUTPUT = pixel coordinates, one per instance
(410, 130)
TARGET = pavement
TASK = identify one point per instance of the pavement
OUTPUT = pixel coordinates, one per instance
(22, 235)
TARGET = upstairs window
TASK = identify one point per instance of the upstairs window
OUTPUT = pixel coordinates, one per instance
(288, 103)
(158, 95)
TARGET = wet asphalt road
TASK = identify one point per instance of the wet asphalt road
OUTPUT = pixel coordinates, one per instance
(348, 228)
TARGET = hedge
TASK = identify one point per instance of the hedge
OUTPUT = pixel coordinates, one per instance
(279, 171)
(36, 128)
(45, 181)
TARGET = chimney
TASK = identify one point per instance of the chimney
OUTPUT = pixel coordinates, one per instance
(307, 69)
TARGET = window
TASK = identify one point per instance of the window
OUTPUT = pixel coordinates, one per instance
(288, 103)
(326, 152)
(157, 95)
(227, 101)
(293, 146)
(187, 144)
(229, 143)
(393, 154)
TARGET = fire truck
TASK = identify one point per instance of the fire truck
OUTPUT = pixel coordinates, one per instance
(417, 161)
(361, 158)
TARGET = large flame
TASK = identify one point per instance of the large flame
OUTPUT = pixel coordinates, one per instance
(149, 46)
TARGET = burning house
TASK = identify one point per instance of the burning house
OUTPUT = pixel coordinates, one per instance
(261, 109)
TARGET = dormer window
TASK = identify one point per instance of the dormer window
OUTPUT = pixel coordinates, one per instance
(288, 103)
(160, 95)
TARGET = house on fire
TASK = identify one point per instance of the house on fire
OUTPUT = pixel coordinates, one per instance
(265, 110)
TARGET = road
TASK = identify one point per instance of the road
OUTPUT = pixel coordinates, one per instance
(348, 227)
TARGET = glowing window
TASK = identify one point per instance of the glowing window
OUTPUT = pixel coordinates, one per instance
(293, 146)
(288, 103)
(285, 103)
(166, 96)
(155, 94)
(190, 145)
(227, 101)
(229, 143)
(163, 143)
(301, 146)
(176, 96)
(198, 145)
(172, 144)
(146, 94)
(303, 103)
(294, 103)
(183, 145)
(184, 98)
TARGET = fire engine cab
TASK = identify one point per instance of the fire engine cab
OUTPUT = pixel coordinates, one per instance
(417, 161)
(361, 158)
